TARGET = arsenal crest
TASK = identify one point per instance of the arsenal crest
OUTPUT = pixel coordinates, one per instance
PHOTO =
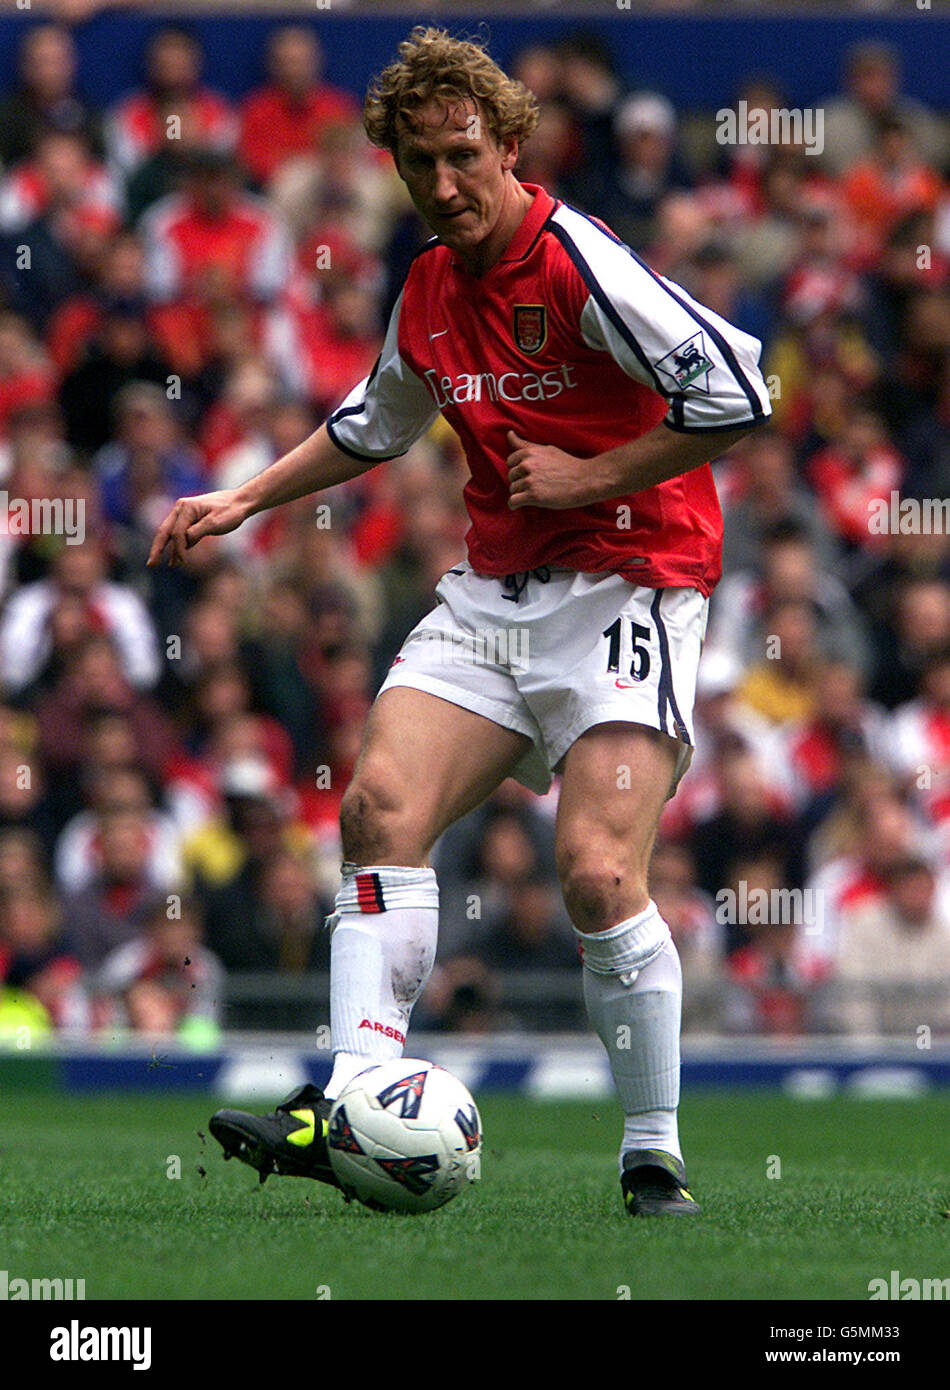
(531, 327)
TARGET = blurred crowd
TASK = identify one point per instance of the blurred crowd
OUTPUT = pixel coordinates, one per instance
(188, 285)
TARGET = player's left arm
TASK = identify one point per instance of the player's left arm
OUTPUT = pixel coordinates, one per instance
(542, 475)
(706, 369)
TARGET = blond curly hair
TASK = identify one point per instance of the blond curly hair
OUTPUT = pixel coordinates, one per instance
(434, 66)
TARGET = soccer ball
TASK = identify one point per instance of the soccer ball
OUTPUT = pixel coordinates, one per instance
(404, 1136)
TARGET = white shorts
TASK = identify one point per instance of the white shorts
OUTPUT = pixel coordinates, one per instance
(569, 653)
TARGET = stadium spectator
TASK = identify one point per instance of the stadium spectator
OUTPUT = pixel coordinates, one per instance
(148, 464)
(111, 791)
(35, 957)
(529, 930)
(854, 475)
(275, 658)
(768, 992)
(332, 342)
(46, 96)
(77, 576)
(163, 981)
(119, 355)
(62, 184)
(767, 239)
(920, 739)
(26, 376)
(26, 803)
(751, 820)
(742, 164)
(781, 686)
(119, 278)
(481, 857)
(540, 68)
(270, 915)
(287, 117)
(41, 473)
(844, 727)
(344, 600)
(892, 183)
(462, 996)
(762, 493)
(648, 166)
(23, 859)
(892, 962)
(698, 935)
(872, 827)
(872, 94)
(337, 194)
(139, 123)
(114, 906)
(58, 211)
(93, 682)
(788, 572)
(552, 150)
(593, 89)
(913, 627)
(214, 241)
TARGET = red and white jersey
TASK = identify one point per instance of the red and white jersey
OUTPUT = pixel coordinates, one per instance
(248, 245)
(570, 339)
(25, 196)
(137, 128)
(920, 751)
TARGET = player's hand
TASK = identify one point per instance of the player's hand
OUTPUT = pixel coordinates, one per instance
(541, 475)
(191, 518)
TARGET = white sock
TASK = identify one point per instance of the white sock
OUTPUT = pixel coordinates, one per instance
(382, 950)
(633, 989)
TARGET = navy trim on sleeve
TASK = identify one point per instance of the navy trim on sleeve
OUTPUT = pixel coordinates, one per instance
(598, 292)
(714, 429)
(345, 448)
(727, 354)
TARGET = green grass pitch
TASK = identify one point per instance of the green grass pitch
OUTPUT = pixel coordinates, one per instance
(864, 1188)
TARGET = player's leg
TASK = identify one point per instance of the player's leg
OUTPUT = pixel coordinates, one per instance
(424, 763)
(616, 778)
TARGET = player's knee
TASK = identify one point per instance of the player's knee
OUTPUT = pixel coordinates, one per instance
(600, 889)
(374, 823)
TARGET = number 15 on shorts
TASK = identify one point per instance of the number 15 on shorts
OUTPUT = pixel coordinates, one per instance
(640, 636)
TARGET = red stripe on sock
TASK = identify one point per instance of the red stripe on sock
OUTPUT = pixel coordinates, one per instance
(369, 893)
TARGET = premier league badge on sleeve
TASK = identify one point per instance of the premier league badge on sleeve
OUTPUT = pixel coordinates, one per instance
(687, 365)
(531, 327)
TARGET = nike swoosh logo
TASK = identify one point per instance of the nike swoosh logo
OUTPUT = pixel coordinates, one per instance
(440, 334)
(626, 685)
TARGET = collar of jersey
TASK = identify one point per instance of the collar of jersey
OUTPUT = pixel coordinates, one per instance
(527, 231)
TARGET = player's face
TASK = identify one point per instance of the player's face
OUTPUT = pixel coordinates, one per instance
(456, 174)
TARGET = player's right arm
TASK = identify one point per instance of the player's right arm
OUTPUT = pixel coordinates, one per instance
(314, 465)
(380, 419)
